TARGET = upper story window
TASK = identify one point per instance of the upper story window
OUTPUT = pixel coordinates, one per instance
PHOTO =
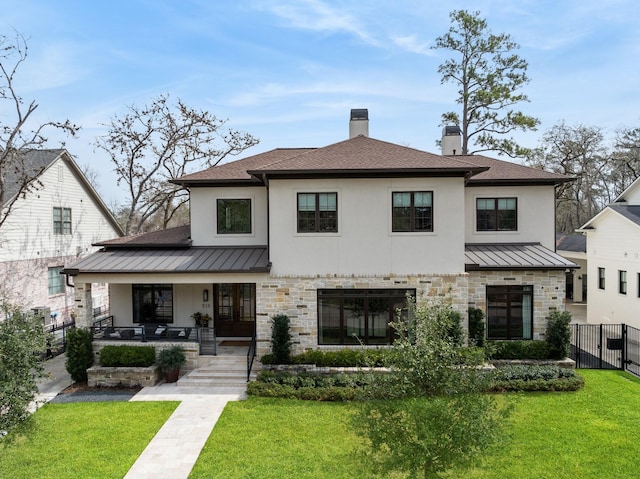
(412, 211)
(61, 221)
(234, 216)
(600, 278)
(317, 212)
(496, 214)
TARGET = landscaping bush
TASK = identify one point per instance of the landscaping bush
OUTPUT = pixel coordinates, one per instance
(344, 358)
(127, 356)
(534, 378)
(79, 353)
(525, 349)
(558, 335)
(281, 339)
(476, 327)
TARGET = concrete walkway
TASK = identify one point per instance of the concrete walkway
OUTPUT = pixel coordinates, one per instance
(175, 448)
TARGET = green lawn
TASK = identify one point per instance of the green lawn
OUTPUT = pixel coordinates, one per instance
(87, 440)
(591, 433)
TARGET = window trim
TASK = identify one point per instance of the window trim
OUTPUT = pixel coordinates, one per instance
(234, 233)
(61, 224)
(622, 282)
(317, 219)
(601, 279)
(496, 211)
(412, 209)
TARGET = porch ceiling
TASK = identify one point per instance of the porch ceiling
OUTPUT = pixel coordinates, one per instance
(509, 256)
(251, 259)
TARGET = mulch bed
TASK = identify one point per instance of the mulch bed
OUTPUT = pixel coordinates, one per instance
(81, 392)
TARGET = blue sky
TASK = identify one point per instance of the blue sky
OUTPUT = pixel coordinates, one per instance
(288, 72)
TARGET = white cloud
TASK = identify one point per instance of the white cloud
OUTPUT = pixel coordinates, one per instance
(412, 44)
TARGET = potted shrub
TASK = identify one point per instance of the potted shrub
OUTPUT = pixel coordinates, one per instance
(201, 319)
(170, 360)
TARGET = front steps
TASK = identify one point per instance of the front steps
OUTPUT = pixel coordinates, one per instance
(227, 373)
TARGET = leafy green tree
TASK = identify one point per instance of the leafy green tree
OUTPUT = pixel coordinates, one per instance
(558, 335)
(281, 339)
(437, 415)
(22, 343)
(489, 76)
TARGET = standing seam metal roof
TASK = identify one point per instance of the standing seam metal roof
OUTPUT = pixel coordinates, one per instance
(513, 256)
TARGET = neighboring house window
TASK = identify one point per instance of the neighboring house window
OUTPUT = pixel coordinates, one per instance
(509, 312)
(234, 216)
(61, 221)
(600, 278)
(638, 282)
(412, 211)
(317, 212)
(55, 280)
(622, 282)
(496, 214)
(152, 303)
(355, 316)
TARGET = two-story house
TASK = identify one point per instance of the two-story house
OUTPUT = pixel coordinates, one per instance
(337, 237)
(613, 260)
(53, 224)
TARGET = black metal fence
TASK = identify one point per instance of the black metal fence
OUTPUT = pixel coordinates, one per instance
(606, 346)
(57, 339)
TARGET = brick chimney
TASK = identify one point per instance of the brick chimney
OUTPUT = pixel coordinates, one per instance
(359, 122)
(451, 140)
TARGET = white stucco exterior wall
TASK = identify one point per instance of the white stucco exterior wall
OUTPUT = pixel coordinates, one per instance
(536, 222)
(204, 216)
(364, 243)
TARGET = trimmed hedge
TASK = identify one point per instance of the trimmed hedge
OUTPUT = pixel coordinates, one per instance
(524, 349)
(534, 378)
(127, 356)
(340, 358)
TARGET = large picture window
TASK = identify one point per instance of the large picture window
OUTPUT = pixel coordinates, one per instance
(234, 216)
(496, 214)
(509, 312)
(61, 221)
(354, 316)
(412, 211)
(317, 212)
(152, 303)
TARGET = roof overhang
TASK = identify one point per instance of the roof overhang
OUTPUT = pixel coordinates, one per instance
(513, 256)
(245, 259)
(366, 173)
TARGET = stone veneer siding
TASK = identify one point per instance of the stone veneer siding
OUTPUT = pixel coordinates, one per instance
(296, 296)
(548, 292)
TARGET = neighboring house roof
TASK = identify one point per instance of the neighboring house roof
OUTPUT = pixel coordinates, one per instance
(513, 256)
(573, 242)
(226, 259)
(364, 156)
(630, 212)
(38, 161)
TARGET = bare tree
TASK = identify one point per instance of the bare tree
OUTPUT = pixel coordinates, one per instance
(577, 151)
(489, 76)
(625, 161)
(153, 144)
(18, 134)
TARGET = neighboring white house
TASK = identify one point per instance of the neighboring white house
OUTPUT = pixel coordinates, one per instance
(613, 258)
(336, 237)
(54, 224)
(574, 248)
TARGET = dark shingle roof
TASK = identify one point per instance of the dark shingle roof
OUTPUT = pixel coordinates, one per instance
(574, 242)
(500, 171)
(631, 212)
(178, 237)
(513, 256)
(36, 161)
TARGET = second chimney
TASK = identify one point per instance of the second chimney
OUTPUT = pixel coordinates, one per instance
(451, 140)
(359, 122)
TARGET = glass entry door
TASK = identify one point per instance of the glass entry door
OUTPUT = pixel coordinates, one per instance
(235, 309)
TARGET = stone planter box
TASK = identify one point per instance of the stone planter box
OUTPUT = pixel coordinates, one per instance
(123, 376)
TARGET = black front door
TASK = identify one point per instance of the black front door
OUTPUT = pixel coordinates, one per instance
(235, 309)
